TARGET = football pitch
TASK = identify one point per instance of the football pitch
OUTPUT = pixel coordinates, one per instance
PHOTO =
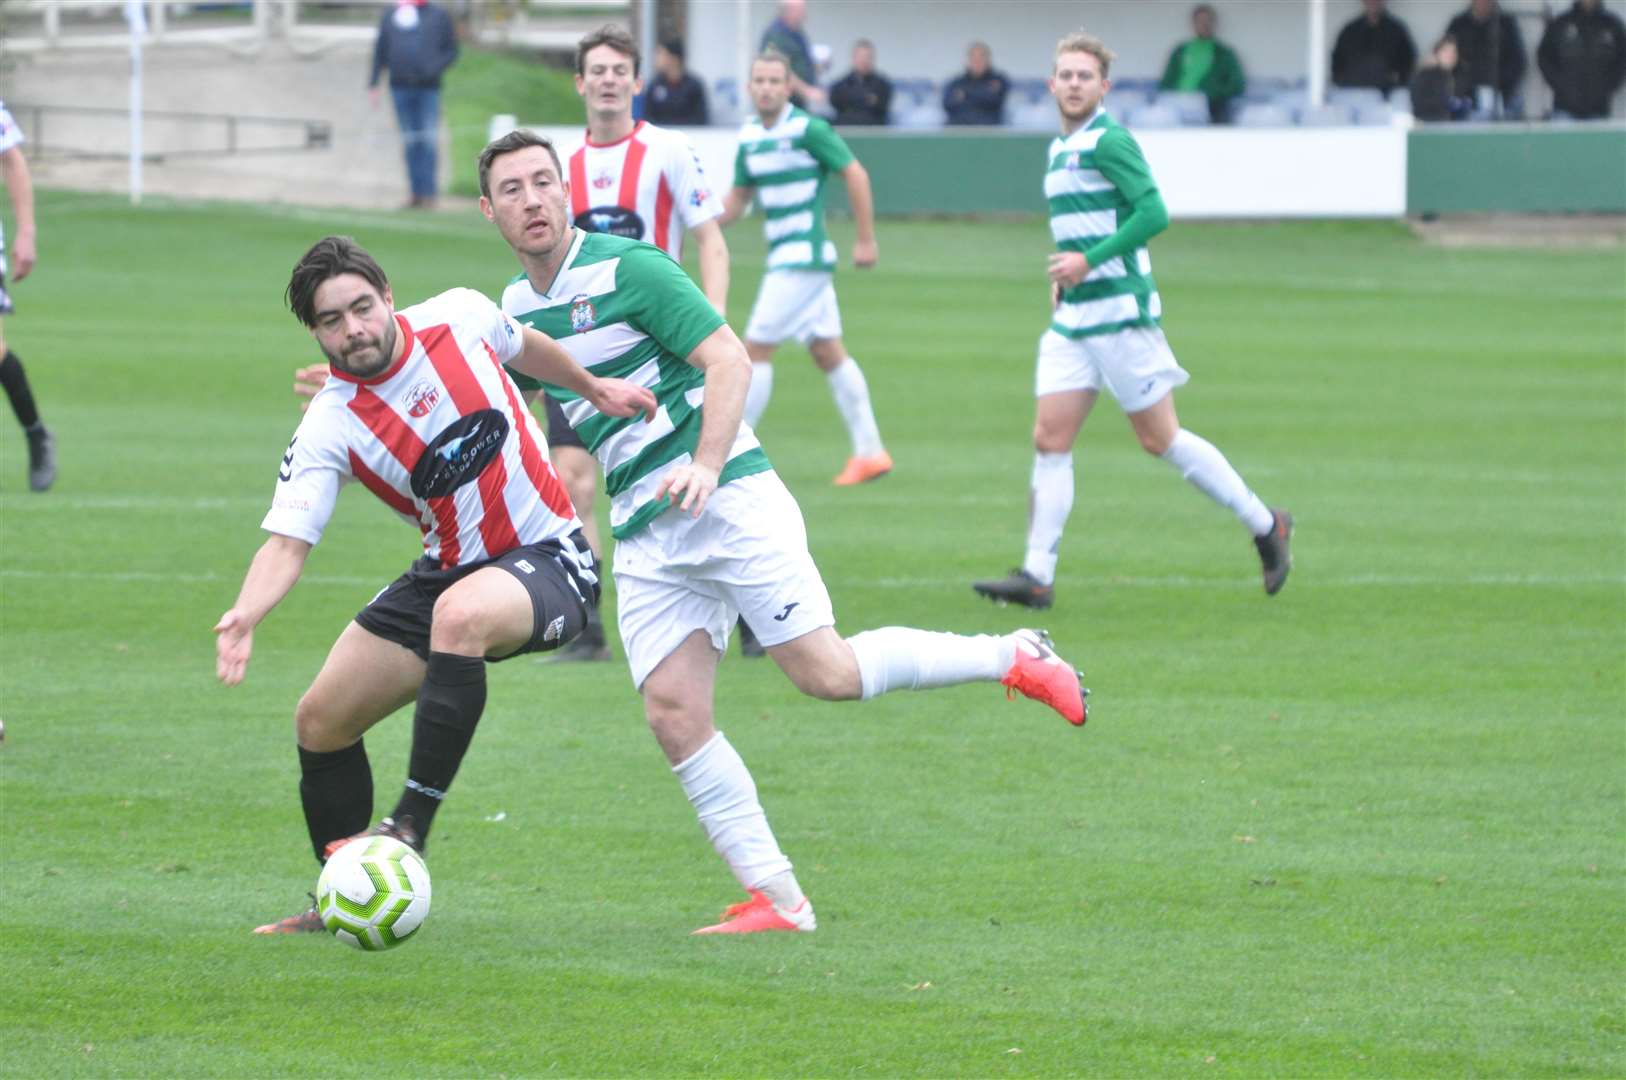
(1374, 826)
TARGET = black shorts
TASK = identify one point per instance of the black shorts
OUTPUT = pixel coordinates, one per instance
(561, 578)
(560, 433)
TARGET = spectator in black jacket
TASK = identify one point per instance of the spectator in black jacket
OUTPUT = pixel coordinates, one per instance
(978, 95)
(1583, 58)
(1492, 55)
(1434, 94)
(675, 97)
(1374, 49)
(863, 95)
(417, 43)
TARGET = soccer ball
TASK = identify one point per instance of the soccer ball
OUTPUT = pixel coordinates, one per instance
(373, 893)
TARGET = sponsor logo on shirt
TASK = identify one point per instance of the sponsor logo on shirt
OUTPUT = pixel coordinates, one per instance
(583, 316)
(460, 453)
(1072, 160)
(423, 397)
(615, 220)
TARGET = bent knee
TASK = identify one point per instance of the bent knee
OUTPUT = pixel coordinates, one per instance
(1050, 440)
(1155, 443)
(831, 675)
(458, 618)
(317, 726)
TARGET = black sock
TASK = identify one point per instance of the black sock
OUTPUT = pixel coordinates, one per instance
(593, 632)
(449, 705)
(15, 381)
(336, 789)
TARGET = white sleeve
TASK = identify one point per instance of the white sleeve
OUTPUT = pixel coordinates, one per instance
(497, 329)
(312, 470)
(697, 202)
(10, 134)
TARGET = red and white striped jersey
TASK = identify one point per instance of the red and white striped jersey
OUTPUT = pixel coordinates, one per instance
(648, 186)
(442, 437)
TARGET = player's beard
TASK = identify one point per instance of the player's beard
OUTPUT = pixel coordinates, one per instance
(385, 347)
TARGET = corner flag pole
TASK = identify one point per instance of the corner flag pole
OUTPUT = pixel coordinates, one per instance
(134, 15)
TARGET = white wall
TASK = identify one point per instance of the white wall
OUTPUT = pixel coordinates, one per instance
(927, 38)
(1207, 172)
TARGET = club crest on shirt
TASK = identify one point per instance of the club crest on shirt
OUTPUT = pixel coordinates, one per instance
(603, 180)
(583, 316)
(698, 197)
(422, 397)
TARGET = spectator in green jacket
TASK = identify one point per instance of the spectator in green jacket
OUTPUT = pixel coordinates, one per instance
(1207, 65)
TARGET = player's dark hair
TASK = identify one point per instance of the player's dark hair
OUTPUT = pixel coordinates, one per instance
(673, 46)
(613, 36)
(328, 258)
(518, 139)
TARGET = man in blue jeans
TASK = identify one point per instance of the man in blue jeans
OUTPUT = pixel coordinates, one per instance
(417, 43)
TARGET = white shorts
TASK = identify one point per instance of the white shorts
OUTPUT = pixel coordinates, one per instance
(1136, 364)
(746, 555)
(794, 305)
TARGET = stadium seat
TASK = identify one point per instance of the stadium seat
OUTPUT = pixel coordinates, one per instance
(1378, 114)
(1028, 91)
(1190, 106)
(1263, 114)
(918, 117)
(1356, 96)
(1152, 116)
(1329, 115)
(1033, 116)
(1121, 102)
(909, 93)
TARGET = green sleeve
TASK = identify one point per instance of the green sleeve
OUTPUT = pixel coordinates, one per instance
(667, 305)
(1225, 79)
(1118, 157)
(742, 177)
(825, 145)
(1171, 71)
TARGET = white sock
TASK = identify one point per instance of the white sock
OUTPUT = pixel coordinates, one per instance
(761, 389)
(721, 790)
(899, 658)
(1051, 500)
(1201, 462)
(851, 392)
(784, 890)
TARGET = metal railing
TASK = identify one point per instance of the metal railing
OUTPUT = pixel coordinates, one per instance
(46, 124)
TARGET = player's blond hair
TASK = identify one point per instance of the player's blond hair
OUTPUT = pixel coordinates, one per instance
(1079, 41)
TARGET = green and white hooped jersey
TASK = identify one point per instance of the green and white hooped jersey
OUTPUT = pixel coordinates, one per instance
(788, 164)
(623, 309)
(1085, 181)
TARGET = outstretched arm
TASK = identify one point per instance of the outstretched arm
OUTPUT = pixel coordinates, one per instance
(708, 238)
(14, 168)
(276, 566)
(545, 359)
(735, 204)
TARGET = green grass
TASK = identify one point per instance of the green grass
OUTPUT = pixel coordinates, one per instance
(1371, 827)
(487, 82)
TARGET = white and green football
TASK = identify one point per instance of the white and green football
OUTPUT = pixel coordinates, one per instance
(373, 893)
